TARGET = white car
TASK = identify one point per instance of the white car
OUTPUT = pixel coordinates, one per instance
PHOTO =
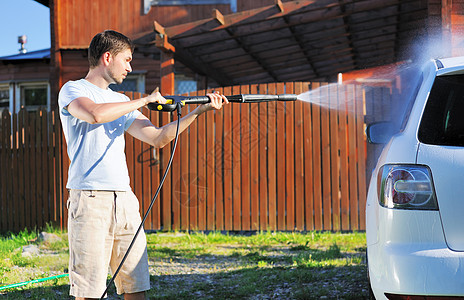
(415, 203)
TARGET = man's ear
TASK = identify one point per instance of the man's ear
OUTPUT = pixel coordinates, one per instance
(106, 58)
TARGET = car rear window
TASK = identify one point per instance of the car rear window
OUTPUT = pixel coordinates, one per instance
(443, 119)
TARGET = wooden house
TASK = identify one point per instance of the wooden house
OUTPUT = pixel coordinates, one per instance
(25, 80)
(33, 79)
(75, 22)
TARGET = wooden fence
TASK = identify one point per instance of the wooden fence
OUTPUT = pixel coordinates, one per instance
(261, 166)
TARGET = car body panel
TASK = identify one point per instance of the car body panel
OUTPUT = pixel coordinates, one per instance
(412, 252)
(447, 166)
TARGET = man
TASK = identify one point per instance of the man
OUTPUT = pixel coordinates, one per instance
(103, 211)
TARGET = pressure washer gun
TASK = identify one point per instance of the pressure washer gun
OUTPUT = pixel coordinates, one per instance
(173, 101)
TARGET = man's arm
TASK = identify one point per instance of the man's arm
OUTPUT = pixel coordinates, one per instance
(87, 110)
(145, 131)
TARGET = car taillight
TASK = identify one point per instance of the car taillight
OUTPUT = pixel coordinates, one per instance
(406, 187)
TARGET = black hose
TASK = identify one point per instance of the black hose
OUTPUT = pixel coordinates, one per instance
(173, 150)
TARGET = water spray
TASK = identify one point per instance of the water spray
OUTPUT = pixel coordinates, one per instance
(175, 103)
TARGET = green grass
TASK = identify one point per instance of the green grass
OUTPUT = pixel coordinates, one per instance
(211, 266)
(14, 268)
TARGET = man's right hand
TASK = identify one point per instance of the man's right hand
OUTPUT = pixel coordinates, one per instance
(155, 96)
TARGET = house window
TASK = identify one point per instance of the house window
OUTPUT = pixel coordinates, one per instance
(33, 95)
(4, 97)
(184, 84)
(133, 83)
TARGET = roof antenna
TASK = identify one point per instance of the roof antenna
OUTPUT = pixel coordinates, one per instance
(22, 39)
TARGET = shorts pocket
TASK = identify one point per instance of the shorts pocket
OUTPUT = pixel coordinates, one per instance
(75, 203)
(132, 209)
(133, 205)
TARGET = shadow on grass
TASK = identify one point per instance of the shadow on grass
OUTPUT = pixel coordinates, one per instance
(347, 282)
(42, 292)
(299, 272)
(251, 254)
(56, 291)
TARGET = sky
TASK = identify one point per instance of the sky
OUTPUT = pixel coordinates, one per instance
(23, 17)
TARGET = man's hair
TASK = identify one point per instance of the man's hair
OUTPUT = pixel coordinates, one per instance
(108, 41)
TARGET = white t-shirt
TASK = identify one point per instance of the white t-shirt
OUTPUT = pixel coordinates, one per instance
(96, 151)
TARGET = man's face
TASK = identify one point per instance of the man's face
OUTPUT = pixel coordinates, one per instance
(120, 66)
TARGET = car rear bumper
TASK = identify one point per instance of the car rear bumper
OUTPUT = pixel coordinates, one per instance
(415, 269)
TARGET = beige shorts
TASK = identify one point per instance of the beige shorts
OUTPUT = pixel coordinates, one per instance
(101, 225)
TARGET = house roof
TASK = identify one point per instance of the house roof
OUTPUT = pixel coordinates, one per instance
(39, 54)
(44, 2)
(297, 40)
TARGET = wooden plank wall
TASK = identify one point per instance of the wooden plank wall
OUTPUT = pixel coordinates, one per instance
(246, 5)
(30, 181)
(77, 21)
(262, 166)
(25, 71)
(75, 66)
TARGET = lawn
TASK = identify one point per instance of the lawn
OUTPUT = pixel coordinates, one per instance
(264, 265)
